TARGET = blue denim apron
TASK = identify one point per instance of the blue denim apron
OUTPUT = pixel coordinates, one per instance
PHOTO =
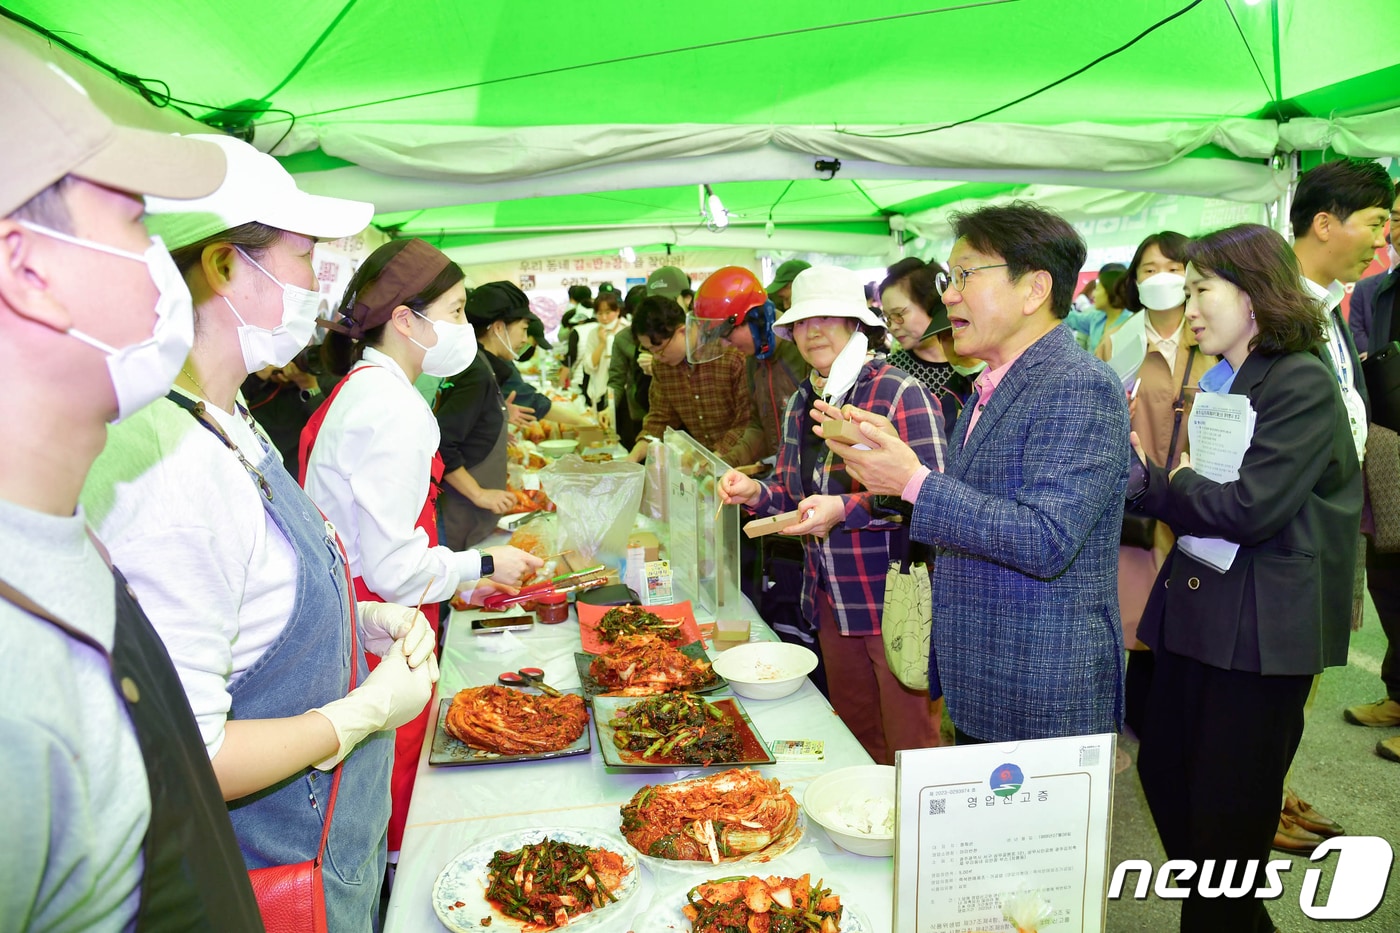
(306, 667)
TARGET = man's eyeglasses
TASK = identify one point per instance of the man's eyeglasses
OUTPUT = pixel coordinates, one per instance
(659, 347)
(958, 280)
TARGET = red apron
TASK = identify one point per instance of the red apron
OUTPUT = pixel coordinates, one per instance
(408, 740)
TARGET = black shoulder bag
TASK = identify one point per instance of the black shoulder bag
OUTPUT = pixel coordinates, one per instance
(1141, 530)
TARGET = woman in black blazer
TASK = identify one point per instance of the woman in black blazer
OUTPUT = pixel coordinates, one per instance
(1237, 649)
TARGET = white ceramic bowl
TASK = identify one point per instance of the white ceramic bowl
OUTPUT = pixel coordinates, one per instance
(861, 782)
(765, 670)
(554, 449)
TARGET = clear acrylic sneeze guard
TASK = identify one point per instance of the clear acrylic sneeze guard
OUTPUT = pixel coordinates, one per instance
(704, 538)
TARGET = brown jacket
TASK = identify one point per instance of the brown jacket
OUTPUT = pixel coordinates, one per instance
(772, 382)
(1154, 415)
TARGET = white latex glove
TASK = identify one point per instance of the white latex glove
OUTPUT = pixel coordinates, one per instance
(382, 624)
(391, 695)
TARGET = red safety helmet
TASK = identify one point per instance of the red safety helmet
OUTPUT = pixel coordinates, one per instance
(722, 302)
(729, 294)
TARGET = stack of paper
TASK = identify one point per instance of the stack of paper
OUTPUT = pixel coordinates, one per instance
(1221, 429)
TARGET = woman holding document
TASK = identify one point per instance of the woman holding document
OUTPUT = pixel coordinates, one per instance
(1254, 598)
(1154, 350)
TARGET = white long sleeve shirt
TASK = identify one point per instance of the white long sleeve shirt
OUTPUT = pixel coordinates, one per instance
(369, 472)
(184, 521)
(597, 375)
(1329, 298)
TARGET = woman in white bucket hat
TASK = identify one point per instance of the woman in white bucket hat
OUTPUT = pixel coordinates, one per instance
(848, 532)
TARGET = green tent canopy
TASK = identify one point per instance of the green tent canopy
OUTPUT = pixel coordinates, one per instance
(535, 128)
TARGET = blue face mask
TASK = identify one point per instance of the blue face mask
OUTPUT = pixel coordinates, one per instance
(761, 326)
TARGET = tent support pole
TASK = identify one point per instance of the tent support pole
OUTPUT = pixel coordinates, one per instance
(1280, 208)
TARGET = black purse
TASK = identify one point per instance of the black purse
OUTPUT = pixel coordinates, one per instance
(1140, 531)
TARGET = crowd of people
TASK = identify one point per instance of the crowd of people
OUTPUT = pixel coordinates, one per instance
(217, 647)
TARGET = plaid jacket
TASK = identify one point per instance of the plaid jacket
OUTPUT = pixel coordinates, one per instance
(851, 561)
(1027, 520)
(709, 401)
(771, 383)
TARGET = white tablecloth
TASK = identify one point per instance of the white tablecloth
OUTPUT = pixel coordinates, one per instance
(456, 807)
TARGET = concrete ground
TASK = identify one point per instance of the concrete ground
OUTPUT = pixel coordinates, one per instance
(1336, 770)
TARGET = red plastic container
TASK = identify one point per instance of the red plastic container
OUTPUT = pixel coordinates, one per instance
(552, 609)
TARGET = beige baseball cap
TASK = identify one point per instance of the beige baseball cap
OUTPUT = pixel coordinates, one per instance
(52, 129)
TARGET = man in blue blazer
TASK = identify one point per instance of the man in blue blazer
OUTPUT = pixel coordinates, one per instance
(1028, 515)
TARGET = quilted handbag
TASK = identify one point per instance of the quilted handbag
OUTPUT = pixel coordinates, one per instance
(1383, 486)
(906, 625)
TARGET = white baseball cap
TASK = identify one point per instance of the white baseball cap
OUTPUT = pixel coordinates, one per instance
(257, 188)
(828, 291)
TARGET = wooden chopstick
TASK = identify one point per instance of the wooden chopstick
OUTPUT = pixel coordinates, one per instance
(419, 607)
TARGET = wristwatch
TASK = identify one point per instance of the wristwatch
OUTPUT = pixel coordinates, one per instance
(488, 565)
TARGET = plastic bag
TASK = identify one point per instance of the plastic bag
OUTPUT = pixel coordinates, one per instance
(654, 494)
(1027, 909)
(596, 504)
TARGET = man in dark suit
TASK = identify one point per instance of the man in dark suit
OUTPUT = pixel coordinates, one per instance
(1374, 308)
(1372, 291)
(1028, 513)
(1338, 216)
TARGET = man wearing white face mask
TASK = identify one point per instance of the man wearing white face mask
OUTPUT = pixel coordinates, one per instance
(239, 572)
(116, 819)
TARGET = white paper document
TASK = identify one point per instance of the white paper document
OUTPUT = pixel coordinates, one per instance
(1129, 349)
(1220, 430)
(979, 824)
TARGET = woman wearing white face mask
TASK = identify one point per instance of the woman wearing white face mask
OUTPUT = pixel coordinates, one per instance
(1168, 366)
(506, 339)
(472, 415)
(237, 570)
(596, 353)
(370, 455)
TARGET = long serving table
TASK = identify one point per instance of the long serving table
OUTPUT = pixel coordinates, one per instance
(457, 807)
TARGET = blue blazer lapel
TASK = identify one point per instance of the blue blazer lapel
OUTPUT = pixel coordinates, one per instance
(1017, 380)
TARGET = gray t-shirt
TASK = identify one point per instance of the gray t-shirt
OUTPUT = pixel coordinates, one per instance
(78, 802)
